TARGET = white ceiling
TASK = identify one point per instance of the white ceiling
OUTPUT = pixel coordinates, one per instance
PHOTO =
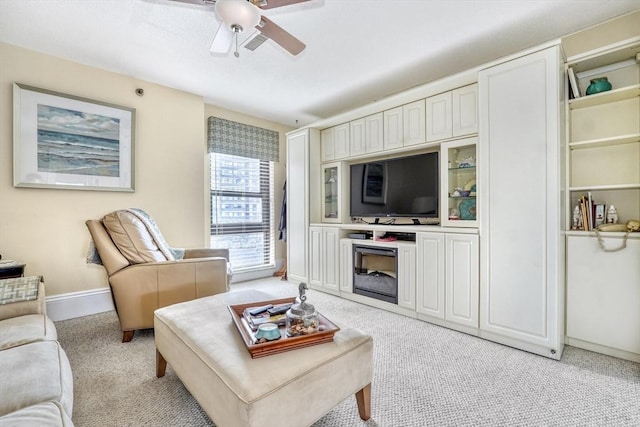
(358, 51)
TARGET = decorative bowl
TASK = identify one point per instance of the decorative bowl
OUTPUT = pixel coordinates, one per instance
(465, 193)
(268, 331)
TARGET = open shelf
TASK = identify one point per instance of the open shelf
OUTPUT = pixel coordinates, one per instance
(605, 142)
(605, 97)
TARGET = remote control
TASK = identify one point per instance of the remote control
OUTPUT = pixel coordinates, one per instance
(279, 309)
(260, 310)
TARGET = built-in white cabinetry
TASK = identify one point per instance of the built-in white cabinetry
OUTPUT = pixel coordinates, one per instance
(603, 159)
(302, 205)
(393, 129)
(366, 135)
(603, 295)
(324, 259)
(407, 276)
(439, 117)
(431, 274)
(461, 279)
(335, 142)
(520, 165)
(447, 279)
(346, 266)
(465, 110)
(458, 183)
(414, 123)
(452, 114)
(334, 197)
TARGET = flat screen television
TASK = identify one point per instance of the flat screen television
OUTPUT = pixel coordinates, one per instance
(401, 187)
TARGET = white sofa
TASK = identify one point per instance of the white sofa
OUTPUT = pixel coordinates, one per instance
(37, 383)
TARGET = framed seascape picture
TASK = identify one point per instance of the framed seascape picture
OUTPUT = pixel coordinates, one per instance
(64, 141)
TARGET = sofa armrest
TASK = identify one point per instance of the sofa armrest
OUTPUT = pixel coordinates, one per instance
(206, 253)
(140, 289)
(35, 305)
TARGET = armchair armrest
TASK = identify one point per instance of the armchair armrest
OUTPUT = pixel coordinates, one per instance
(17, 297)
(206, 253)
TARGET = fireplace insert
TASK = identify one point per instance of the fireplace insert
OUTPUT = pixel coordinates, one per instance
(375, 272)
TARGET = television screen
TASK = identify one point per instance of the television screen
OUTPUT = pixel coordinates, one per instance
(402, 187)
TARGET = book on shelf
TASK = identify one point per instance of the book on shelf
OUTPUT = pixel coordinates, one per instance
(600, 215)
(573, 82)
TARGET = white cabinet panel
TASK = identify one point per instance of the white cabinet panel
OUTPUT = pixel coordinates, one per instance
(330, 258)
(522, 255)
(407, 276)
(430, 274)
(393, 132)
(327, 142)
(414, 123)
(341, 141)
(357, 137)
(465, 110)
(462, 284)
(315, 256)
(346, 266)
(374, 133)
(439, 117)
(603, 292)
(302, 157)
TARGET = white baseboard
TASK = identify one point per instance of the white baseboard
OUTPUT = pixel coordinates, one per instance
(79, 304)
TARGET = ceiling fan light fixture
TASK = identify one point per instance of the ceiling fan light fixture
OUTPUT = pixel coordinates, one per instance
(237, 14)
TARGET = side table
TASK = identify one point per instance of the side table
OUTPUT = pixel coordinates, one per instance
(11, 270)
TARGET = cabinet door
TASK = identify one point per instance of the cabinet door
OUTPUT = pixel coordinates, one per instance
(341, 141)
(522, 255)
(439, 117)
(327, 142)
(393, 133)
(373, 133)
(330, 258)
(430, 274)
(346, 266)
(462, 285)
(357, 137)
(298, 202)
(315, 256)
(465, 110)
(413, 123)
(407, 276)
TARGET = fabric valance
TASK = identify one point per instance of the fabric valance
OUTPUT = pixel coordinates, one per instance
(239, 139)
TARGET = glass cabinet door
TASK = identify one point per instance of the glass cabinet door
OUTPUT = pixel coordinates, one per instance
(331, 206)
(459, 187)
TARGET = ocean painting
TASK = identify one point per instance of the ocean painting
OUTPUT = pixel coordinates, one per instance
(73, 142)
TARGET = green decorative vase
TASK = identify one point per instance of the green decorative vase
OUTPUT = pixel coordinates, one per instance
(598, 85)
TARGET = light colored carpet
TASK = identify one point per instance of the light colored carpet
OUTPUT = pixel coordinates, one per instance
(424, 375)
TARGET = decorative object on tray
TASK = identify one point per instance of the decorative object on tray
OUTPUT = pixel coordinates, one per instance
(600, 84)
(267, 332)
(326, 330)
(302, 318)
(267, 313)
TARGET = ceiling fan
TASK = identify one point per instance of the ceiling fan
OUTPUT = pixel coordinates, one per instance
(237, 16)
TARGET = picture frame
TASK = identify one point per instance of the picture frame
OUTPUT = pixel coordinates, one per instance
(63, 141)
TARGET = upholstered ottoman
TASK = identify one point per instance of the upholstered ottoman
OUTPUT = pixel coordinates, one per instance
(291, 389)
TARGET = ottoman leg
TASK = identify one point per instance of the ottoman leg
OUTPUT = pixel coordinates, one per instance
(363, 398)
(161, 365)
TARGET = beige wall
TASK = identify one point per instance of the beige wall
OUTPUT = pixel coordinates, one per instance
(44, 228)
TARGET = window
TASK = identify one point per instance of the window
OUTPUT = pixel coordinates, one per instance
(242, 210)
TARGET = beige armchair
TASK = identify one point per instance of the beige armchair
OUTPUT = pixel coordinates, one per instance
(144, 276)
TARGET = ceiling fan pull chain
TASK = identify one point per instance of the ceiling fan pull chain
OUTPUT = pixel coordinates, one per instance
(236, 54)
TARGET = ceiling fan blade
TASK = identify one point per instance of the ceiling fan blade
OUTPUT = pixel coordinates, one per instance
(276, 33)
(222, 40)
(271, 4)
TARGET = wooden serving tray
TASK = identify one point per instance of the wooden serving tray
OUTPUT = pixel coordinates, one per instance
(285, 343)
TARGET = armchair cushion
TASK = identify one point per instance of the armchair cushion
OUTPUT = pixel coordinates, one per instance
(135, 238)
